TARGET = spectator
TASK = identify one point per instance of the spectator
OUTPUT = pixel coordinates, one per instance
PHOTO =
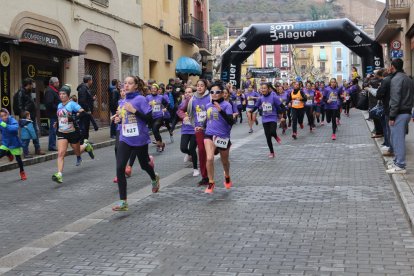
(51, 101)
(401, 103)
(114, 97)
(374, 83)
(27, 133)
(86, 100)
(26, 103)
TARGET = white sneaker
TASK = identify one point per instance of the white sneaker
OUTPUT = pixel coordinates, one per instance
(196, 173)
(186, 158)
(385, 148)
(395, 169)
(390, 164)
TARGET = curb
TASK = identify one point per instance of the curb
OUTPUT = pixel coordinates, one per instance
(52, 156)
(402, 188)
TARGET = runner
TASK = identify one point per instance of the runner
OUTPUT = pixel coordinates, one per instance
(240, 102)
(297, 101)
(68, 131)
(322, 90)
(349, 95)
(188, 144)
(135, 115)
(271, 106)
(251, 97)
(196, 111)
(287, 90)
(228, 98)
(166, 113)
(217, 138)
(318, 102)
(283, 96)
(331, 97)
(310, 94)
(11, 146)
(158, 104)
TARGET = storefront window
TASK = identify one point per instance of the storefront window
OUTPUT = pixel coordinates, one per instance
(129, 66)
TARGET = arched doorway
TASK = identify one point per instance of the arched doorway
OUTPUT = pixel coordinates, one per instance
(342, 30)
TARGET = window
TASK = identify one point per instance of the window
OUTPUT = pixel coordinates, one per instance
(285, 62)
(284, 48)
(303, 67)
(270, 49)
(338, 53)
(354, 60)
(129, 66)
(322, 54)
(339, 66)
(169, 53)
(103, 3)
(321, 47)
(269, 62)
(322, 67)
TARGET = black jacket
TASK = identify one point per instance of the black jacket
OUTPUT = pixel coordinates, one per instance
(401, 95)
(51, 101)
(26, 103)
(114, 96)
(383, 93)
(85, 98)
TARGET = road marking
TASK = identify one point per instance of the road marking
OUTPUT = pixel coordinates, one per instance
(45, 243)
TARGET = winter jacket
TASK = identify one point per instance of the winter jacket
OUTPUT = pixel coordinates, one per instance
(26, 103)
(85, 98)
(10, 134)
(401, 95)
(51, 101)
(114, 96)
(27, 131)
(383, 93)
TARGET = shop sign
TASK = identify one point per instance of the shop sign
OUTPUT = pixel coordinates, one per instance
(43, 38)
(5, 77)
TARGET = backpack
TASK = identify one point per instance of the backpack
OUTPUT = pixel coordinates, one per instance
(16, 108)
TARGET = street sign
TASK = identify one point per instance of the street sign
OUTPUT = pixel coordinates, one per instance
(396, 45)
(397, 54)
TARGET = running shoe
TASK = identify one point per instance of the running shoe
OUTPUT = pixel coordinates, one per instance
(23, 176)
(196, 172)
(121, 206)
(203, 182)
(322, 123)
(210, 188)
(156, 184)
(396, 170)
(388, 153)
(284, 131)
(11, 157)
(154, 142)
(115, 180)
(78, 162)
(301, 126)
(228, 184)
(290, 124)
(89, 149)
(271, 155)
(333, 136)
(294, 135)
(162, 147)
(128, 171)
(251, 130)
(278, 140)
(152, 162)
(57, 178)
(338, 122)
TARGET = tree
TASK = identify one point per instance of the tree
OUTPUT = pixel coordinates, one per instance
(217, 29)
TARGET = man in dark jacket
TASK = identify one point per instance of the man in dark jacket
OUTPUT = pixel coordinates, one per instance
(114, 96)
(26, 103)
(401, 104)
(85, 100)
(51, 101)
(383, 94)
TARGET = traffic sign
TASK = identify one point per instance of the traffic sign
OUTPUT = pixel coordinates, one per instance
(396, 45)
(397, 54)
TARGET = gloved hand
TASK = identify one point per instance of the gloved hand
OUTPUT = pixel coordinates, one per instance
(3, 124)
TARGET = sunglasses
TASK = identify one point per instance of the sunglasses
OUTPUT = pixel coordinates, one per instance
(215, 92)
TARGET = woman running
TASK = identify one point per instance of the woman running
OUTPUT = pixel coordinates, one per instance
(251, 97)
(323, 113)
(331, 97)
(68, 131)
(240, 102)
(166, 113)
(271, 106)
(318, 101)
(188, 144)
(297, 101)
(196, 111)
(135, 115)
(310, 94)
(227, 97)
(218, 126)
(287, 90)
(283, 97)
(11, 146)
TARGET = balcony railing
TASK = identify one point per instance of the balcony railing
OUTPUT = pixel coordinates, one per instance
(205, 44)
(192, 30)
(385, 29)
(398, 9)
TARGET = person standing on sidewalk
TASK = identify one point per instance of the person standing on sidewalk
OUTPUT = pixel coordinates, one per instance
(85, 100)
(51, 101)
(401, 104)
(26, 103)
(114, 96)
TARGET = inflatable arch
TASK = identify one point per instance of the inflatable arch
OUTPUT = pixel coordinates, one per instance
(342, 30)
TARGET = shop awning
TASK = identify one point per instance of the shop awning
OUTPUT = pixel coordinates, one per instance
(7, 38)
(187, 65)
(53, 50)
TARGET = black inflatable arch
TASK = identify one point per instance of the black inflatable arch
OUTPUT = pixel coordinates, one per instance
(342, 30)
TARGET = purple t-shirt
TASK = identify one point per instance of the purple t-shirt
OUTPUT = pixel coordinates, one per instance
(270, 105)
(187, 127)
(310, 95)
(284, 96)
(199, 111)
(134, 130)
(156, 103)
(239, 100)
(251, 102)
(334, 95)
(216, 124)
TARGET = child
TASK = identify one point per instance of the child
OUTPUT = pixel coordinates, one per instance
(10, 142)
(27, 133)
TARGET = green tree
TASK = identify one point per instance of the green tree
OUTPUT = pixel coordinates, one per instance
(217, 29)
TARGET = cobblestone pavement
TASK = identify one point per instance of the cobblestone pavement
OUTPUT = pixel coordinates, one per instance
(319, 208)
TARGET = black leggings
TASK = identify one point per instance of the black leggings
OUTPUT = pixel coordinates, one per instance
(167, 123)
(297, 117)
(188, 146)
(132, 158)
(124, 152)
(156, 128)
(18, 158)
(240, 109)
(289, 115)
(323, 112)
(270, 132)
(347, 106)
(309, 115)
(331, 115)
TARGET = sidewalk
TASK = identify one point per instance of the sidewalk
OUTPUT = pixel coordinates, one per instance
(403, 183)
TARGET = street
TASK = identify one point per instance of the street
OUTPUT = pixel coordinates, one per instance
(321, 207)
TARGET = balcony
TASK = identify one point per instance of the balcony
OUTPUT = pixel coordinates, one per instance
(385, 29)
(192, 30)
(284, 49)
(302, 56)
(398, 9)
(205, 45)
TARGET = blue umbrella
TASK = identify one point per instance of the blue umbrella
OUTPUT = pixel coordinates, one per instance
(188, 65)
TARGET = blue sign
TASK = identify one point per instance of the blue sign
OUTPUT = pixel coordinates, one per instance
(298, 78)
(397, 54)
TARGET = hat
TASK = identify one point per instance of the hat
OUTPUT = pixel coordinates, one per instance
(155, 85)
(65, 88)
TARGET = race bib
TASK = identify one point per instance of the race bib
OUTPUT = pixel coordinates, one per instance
(201, 116)
(186, 121)
(238, 102)
(63, 123)
(156, 108)
(296, 102)
(333, 98)
(309, 102)
(250, 102)
(267, 107)
(221, 142)
(130, 130)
